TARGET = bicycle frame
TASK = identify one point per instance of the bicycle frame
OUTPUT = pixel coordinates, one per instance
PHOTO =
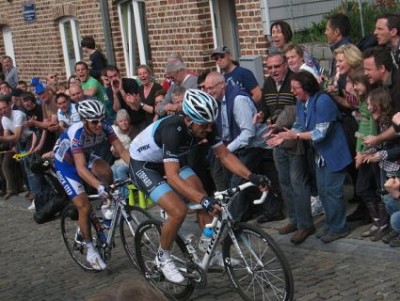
(119, 210)
(219, 224)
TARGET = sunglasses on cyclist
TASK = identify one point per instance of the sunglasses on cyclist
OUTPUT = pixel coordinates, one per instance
(95, 121)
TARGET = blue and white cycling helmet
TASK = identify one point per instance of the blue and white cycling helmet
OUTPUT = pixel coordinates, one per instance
(91, 109)
(199, 106)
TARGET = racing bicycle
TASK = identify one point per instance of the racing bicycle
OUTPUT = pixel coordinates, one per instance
(103, 232)
(260, 272)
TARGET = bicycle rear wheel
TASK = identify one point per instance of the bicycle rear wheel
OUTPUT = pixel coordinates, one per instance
(263, 272)
(136, 216)
(73, 238)
(147, 241)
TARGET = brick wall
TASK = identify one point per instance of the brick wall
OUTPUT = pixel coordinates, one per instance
(37, 45)
(180, 26)
(174, 26)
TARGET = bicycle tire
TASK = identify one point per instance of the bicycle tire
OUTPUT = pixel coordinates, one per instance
(136, 216)
(273, 280)
(147, 242)
(73, 239)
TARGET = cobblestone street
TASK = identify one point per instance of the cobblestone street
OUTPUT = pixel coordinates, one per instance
(35, 265)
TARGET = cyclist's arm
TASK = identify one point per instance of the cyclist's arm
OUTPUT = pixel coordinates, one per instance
(231, 162)
(83, 172)
(172, 170)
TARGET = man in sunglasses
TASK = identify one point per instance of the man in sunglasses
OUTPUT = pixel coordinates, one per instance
(75, 164)
(236, 75)
(160, 151)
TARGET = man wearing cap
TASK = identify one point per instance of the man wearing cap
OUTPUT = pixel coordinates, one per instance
(236, 75)
(176, 70)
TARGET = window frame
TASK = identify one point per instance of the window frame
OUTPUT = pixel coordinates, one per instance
(133, 35)
(76, 43)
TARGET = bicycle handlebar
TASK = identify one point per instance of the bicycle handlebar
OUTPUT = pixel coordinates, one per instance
(117, 184)
(219, 195)
(230, 192)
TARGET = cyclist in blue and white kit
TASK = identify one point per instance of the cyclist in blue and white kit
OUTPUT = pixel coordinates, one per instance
(159, 150)
(75, 164)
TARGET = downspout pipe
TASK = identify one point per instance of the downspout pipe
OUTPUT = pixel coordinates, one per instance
(105, 18)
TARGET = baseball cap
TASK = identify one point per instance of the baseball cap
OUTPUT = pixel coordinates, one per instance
(39, 88)
(221, 50)
(35, 81)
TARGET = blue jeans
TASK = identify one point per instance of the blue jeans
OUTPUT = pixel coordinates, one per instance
(330, 189)
(121, 172)
(34, 180)
(295, 187)
(393, 209)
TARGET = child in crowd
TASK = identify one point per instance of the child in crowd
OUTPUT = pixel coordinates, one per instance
(387, 154)
(368, 179)
(391, 200)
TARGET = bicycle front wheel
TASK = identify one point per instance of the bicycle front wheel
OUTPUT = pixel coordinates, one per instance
(136, 216)
(73, 238)
(257, 266)
(147, 241)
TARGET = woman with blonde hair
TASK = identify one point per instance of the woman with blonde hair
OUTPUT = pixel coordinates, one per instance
(147, 91)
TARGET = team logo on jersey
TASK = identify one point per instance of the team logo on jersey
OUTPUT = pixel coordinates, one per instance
(179, 128)
(143, 148)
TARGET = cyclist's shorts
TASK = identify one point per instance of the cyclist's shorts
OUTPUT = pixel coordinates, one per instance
(69, 178)
(148, 177)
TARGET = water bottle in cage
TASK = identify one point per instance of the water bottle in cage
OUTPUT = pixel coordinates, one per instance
(205, 239)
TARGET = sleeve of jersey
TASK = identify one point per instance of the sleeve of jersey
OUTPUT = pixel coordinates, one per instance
(76, 141)
(110, 134)
(170, 146)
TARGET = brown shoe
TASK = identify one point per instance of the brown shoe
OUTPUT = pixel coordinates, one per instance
(301, 235)
(289, 228)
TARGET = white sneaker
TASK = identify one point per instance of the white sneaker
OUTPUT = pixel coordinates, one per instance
(170, 270)
(95, 261)
(217, 260)
(32, 206)
(316, 206)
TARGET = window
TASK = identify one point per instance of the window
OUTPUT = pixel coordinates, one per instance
(225, 25)
(69, 31)
(132, 16)
(8, 43)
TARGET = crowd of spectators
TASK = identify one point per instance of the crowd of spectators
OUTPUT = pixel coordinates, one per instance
(306, 129)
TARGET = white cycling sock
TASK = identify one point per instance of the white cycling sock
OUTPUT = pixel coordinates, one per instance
(90, 246)
(163, 255)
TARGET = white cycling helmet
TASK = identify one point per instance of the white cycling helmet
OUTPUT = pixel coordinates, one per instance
(200, 106)
(91, 109)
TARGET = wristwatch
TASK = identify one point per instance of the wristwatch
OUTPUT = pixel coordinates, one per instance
(141, 104)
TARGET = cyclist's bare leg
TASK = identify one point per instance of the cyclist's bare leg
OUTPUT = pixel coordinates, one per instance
(84, 209)
(202, 217)
(176, 210)
(102, 170)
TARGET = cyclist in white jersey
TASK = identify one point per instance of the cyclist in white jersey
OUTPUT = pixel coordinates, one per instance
(75, 163)
(159, 151)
